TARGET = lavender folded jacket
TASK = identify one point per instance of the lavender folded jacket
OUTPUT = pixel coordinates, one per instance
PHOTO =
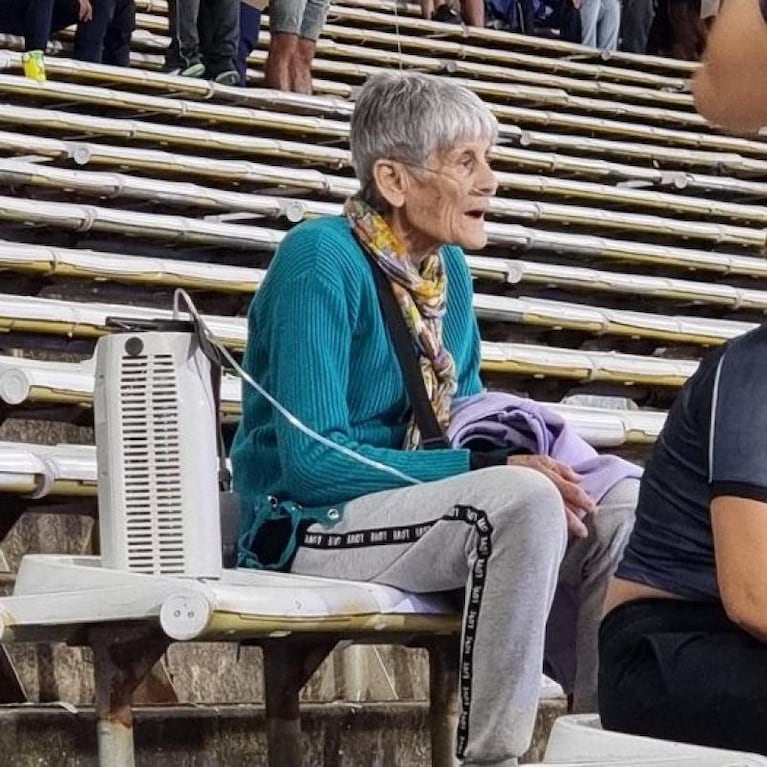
(505, 420)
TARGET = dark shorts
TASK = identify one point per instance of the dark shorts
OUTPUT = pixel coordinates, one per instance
(683, 671)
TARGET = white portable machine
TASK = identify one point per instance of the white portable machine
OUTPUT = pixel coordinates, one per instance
(156, 436)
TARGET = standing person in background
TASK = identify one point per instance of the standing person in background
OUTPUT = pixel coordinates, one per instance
(250, 27)
(204, 36)
(680, 29)
(36, 21)
(294, 28)
(729, 87)
(636, 20)
(600, 23)
(105, 37)
(472, 11)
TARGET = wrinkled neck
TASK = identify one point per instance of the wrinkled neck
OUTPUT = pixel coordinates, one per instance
(417, 245)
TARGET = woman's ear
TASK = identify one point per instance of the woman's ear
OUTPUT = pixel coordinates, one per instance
(391, 181)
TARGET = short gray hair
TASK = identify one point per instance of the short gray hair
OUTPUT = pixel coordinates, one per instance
(407, 116)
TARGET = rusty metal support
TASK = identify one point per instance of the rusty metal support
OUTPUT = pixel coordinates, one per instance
(12, 511)
(288, 666)
(122, 659)
(11, 689)
(443, 700)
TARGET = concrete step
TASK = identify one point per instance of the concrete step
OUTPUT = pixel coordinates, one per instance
(335, 735)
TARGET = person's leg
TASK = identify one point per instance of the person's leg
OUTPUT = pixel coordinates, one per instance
(277, 69)
(686, 30)
(501, 534)
(90, 35)
(636, 20)
(118, 35)
(37, 24)
(444, 12)
(219, 25)
(572, 651)
(301, 66)
(526, 18)
(683, 671)
(183, 54)
(19, 17)
(609, 24)
(250, 26)
(13, 17)
(311, 27)
(65, 13)
(173, 52)
(285, 18)
(473, 12)
(590, 10)
(569, 22)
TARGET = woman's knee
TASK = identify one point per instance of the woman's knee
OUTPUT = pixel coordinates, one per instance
(614, 518)
(525, 502)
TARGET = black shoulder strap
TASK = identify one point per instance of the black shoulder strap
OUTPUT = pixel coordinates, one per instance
(432, 435)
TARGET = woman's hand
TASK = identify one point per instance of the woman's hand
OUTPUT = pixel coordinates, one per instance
(577, 500)
(84, 10)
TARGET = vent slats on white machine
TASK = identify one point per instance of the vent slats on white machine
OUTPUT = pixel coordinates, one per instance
(151, 449)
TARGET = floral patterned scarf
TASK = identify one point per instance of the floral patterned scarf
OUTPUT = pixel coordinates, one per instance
(421, 294)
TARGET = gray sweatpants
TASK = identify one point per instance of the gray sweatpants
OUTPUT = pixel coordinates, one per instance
(499, 533)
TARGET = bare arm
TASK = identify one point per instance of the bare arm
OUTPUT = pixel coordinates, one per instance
(729, 88)
(739, 526)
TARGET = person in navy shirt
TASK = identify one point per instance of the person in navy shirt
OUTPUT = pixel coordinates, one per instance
(682, 646)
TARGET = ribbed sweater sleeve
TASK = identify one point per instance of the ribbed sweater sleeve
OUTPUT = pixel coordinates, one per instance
(309, 360)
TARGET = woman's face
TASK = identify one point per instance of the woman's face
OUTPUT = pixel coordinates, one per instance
(446, 200)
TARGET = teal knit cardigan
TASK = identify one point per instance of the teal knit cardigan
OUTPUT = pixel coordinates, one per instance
(318, 343)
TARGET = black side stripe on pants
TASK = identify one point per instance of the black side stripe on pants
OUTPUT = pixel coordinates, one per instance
(479, 521)
(371, 537)
(475, 588)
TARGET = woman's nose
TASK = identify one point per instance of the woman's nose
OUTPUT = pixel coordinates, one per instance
(486, 182)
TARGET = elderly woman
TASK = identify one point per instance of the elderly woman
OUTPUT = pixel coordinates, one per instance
(363, 501)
